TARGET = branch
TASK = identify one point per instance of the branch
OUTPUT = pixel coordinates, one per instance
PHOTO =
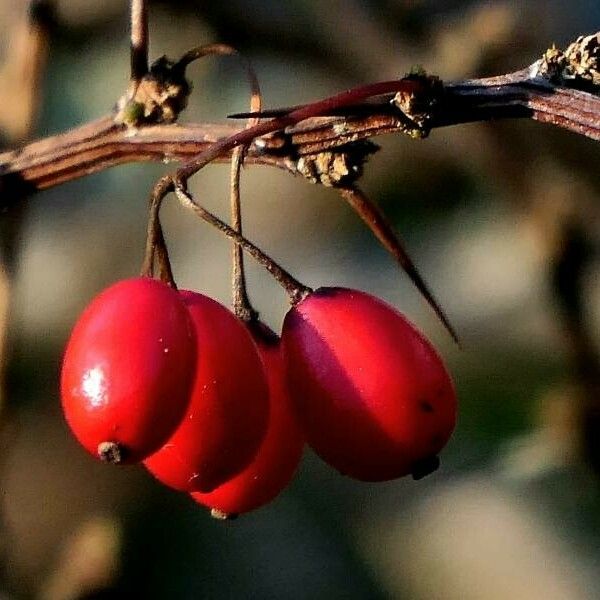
(512, 96)
(544, 92)
(519, 96)
(102, 144)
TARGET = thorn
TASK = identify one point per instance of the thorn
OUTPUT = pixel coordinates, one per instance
(377, 222)
(267, 113)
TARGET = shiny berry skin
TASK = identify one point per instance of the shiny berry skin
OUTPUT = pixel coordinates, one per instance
(372, 394)
(279, 454)
(128, 370)
(227, 417)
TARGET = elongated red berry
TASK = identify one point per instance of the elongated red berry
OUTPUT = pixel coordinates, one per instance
(128, 370)
(279, 454)
(373, 396)
(227, 417)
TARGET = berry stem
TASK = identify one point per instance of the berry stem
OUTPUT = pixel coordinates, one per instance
(178, 184)
(242, 307)
(165, 272)
(295, 290)
(156, 249)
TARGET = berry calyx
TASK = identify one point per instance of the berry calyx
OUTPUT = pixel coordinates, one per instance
(371, 393)
(227, 417)
(279, 454)
(128, 370)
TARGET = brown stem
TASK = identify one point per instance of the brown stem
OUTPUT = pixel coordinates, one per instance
(101, 144)
(139, 41)
(165, 271)
(241, 303)
(242, 307)
(156, 247)
(296, 290)
(218, 50)
(377, 222)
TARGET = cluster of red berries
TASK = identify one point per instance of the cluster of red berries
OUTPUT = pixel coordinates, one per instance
(222, 409)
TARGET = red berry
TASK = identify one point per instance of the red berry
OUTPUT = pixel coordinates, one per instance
(227, 417)
(372, 394)
(128, 370)
(279, 454)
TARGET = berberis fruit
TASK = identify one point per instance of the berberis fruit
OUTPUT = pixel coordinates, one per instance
(128, 370)
(227, 418)
(373, 396)
(278, 456)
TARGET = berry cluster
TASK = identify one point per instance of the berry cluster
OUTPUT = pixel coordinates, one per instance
(221, 409)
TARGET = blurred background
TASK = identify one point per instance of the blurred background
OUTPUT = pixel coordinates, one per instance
(503, 220)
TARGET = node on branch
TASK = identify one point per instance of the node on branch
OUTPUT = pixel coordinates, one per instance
(160, 96)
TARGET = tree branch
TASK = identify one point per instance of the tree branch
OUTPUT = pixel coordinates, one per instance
(102, 144)
(322, 126)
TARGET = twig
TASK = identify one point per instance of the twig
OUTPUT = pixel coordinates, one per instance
(293, 287)
(139, 41)
(242, 307)
(412, 105)
(317, 109)
(520, 95)
(155, 241)
(411, 95)
(102, 144)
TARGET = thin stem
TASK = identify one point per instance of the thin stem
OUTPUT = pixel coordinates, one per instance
(377, 222)
(215, 50)
(139, 41)
(296, 290)
(165, 271)
(242, 306)
(241, 302)
(156, 247)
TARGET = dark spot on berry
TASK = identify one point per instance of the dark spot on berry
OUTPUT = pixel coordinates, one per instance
(425, 467)
(426, 407)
